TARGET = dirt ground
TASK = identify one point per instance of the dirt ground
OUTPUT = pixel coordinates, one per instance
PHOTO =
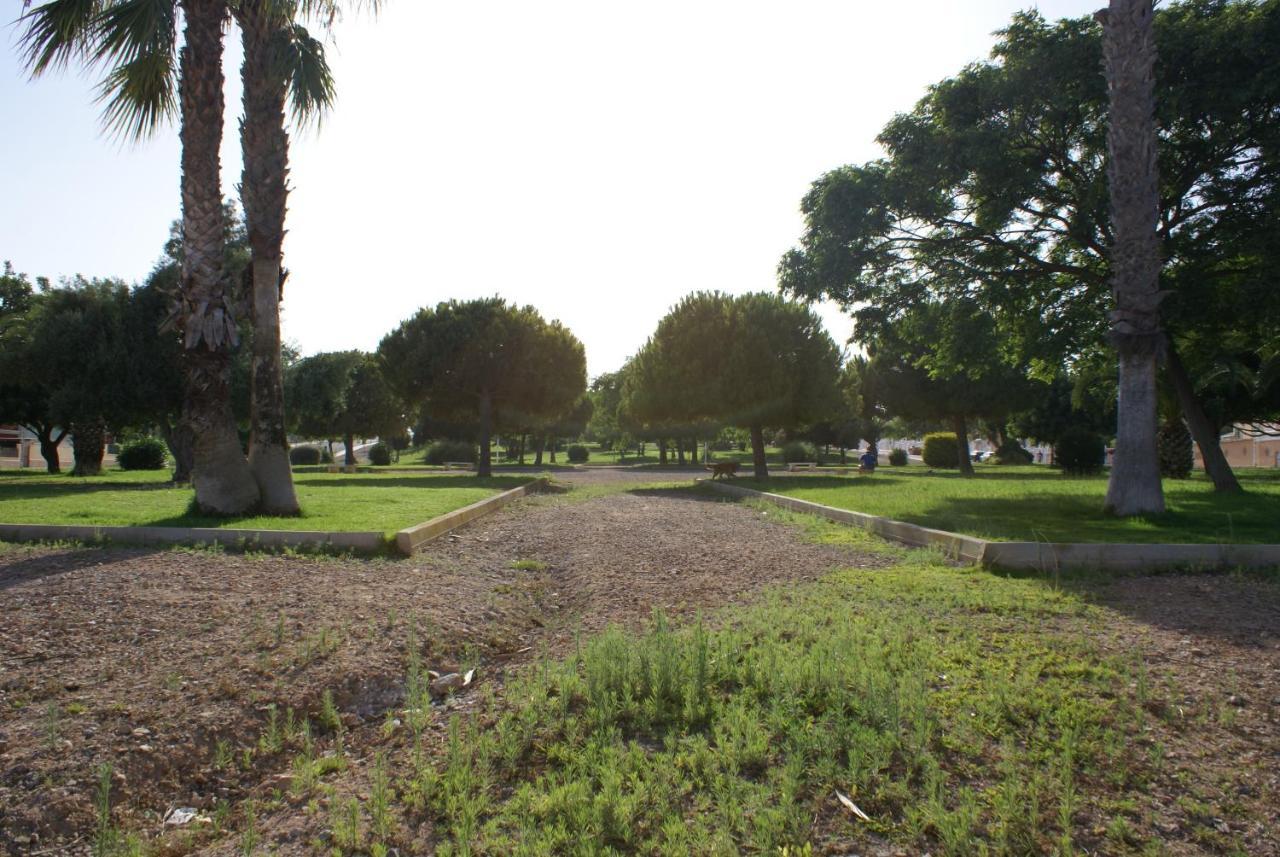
(166, 663)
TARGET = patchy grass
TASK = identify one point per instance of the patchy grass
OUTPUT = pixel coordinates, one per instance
(330, 501)
(1040, 504)
(962, 713)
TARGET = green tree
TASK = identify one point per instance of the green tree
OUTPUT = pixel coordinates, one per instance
(488, 361)
(994, 187)
(753, 361)
(67, 364)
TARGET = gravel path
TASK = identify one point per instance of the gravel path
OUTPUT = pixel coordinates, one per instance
(150, 659)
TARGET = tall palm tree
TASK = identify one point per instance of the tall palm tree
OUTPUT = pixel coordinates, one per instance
(282, 64)
(148, 79)
(1129, 53)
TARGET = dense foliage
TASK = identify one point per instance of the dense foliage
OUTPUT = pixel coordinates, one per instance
(1080, 452)
(146, 453)
(941, 449)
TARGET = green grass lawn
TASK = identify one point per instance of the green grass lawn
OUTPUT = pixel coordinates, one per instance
(1040, 504)
(330, 501)
(962, 712)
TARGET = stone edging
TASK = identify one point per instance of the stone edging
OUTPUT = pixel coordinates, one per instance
(363, 541)
(1031, 556)
(405, 540)
(410, 539)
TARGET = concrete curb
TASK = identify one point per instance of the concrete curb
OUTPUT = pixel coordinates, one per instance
(412, 538)
(363, 541)
(1030, 556)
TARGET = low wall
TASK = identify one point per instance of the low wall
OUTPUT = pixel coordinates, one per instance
(1030, 556)
(362, 541)
(410, 539)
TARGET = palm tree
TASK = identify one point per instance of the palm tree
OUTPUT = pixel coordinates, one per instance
(1129, 53)
(148, 77)
(281, 62)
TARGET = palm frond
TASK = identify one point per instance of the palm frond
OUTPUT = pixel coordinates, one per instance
(127, 30)
(138, 40)
(55, 32)
(139, 95)
(302, 62)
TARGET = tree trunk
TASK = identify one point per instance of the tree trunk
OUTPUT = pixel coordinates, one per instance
(49, 447)
(961, 427)
(181, 446)
(662, 451)
(265, 149)
(1206, 434)
(680, 452)
(523, 439)
(485, 467)
(552, 445)
(1129, 54)
(224, 485)
(541, 441)
(349, 445)
(89, 439)
(757, 452)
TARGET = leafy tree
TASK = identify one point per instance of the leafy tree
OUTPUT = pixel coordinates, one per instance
(488, 361)
(751, 361)
(995, 188)
(342, 394)
(65, 366)
(148, 79)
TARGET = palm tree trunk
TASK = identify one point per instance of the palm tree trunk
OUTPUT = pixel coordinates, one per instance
(88, 437)
(178, 438)
(1129, 51)
(263, 191)
(224, 484)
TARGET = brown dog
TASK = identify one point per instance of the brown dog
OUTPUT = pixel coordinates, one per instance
(723, 468)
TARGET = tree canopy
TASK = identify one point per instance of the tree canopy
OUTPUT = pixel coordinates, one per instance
(752, 361)
(501, 365)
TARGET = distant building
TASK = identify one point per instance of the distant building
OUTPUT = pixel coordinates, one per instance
(1252, 445)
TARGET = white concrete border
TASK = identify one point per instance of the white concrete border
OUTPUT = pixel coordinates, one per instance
(410, 539)
(363, 541)
(1031, 556)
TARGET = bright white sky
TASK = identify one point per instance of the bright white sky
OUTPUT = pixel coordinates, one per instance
(597, 160)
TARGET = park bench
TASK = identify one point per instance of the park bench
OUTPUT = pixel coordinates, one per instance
(801, 465)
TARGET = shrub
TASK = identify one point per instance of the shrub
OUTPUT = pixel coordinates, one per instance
(941, 449)
(1011, 452)
(1079, 452)
(1176, 454)
(147, 453)
(304, 455)
(380, 454)
(799, 451)
(326, 457)
(897, 457)
(577, 453)
(451, 450)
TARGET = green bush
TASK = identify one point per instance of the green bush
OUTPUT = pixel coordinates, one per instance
(577, 453)
(941, 449)
(326, 457)
(380, 454)
(451, 450)
(796, 450)
(1011, 452)
(1176, 454)
(148, 453)
(897, 457)
(304, 455)
(1079, 452)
